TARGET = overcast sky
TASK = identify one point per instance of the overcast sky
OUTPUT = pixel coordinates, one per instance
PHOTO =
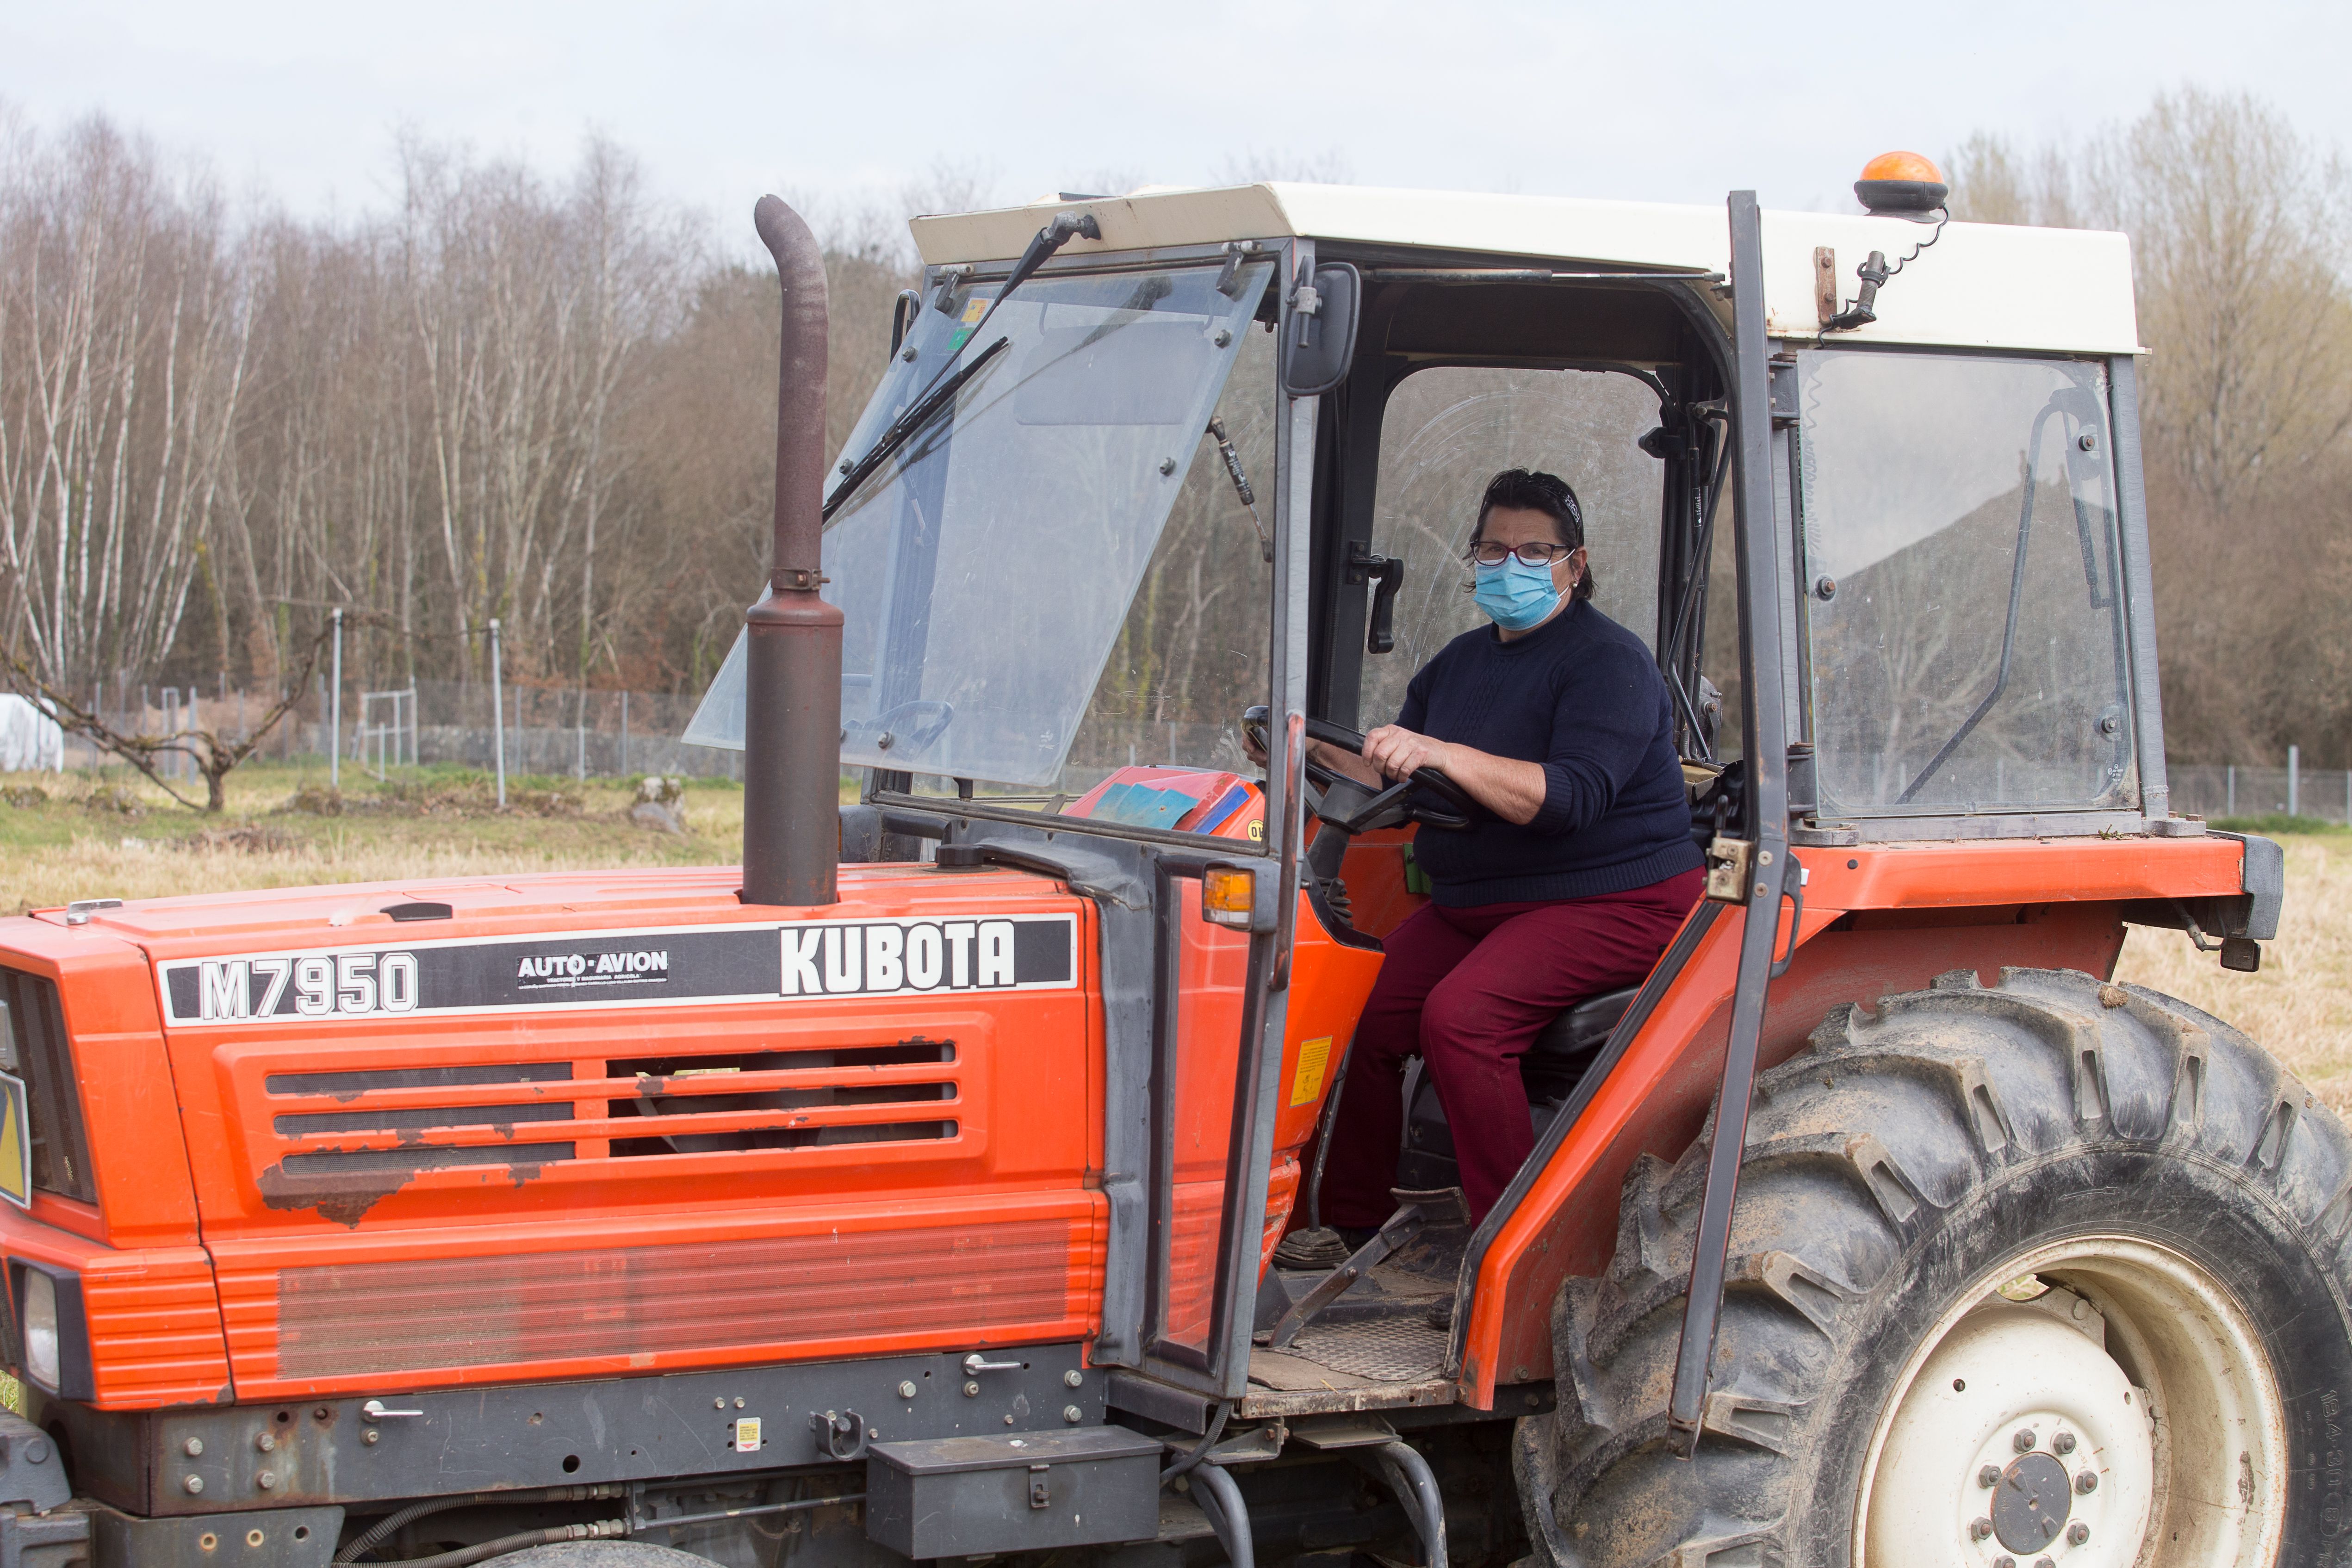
(855, 100)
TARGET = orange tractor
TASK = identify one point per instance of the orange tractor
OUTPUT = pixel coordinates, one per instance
(914, 1192)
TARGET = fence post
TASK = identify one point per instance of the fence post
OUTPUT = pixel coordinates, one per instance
(624, 735)
(335, 712)
(2229, 791)
(2294, 770)
(498, 715)
(580, 757)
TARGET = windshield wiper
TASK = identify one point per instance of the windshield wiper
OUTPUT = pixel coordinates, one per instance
(1065, 227)
(2059, 404)
(903, 428)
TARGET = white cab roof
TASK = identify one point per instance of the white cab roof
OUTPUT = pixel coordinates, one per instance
(1982, 286)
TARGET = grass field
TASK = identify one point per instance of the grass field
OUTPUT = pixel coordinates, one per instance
(2300, 1006)
(125, 840)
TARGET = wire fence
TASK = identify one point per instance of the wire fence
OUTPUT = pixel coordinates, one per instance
(555, 731)
(566, 732)
(550, 731)
(2230, 789)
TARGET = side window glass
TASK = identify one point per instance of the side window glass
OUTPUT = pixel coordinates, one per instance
(1450, 429)
(1967, 633)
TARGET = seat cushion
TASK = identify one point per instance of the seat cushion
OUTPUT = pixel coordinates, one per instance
(1568, 1045)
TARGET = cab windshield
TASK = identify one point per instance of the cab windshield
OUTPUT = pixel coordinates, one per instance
(1038, 492)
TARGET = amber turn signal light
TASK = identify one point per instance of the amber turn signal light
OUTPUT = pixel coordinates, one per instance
(1902, 185)
(1903, 166)
(1228, 896)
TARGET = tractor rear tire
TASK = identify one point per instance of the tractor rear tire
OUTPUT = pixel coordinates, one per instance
(2053, 1272)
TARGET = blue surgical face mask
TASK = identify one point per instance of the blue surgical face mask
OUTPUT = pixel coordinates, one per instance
(1513, 594)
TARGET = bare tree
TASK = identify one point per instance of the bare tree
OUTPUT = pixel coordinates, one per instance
(214, 753)
(123, 355)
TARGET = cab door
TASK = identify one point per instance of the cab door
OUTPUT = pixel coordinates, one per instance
(1202, 1285)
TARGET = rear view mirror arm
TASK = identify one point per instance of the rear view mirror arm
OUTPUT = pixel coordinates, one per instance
(1386, 573)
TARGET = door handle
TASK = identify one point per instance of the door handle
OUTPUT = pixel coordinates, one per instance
(977, 1363)
(374, 1411)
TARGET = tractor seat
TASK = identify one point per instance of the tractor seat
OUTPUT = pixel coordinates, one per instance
(1551, 1069)
(1568, 1045)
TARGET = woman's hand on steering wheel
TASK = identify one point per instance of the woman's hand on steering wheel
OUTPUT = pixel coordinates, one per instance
(1440, 802)
(1401, 753)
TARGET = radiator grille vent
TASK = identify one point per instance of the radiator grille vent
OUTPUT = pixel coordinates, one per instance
(377, 1122)
(697, 1086)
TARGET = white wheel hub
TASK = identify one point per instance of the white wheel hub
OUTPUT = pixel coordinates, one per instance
(2021, 1440)
(2111, 1407)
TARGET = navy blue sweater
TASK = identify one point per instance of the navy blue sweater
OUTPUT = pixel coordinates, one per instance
(1580, 695)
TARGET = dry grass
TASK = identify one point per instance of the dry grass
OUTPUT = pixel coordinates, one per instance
(82, 843)
(2300, 1004)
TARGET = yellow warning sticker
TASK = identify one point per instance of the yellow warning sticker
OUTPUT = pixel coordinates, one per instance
(973, 311)
(747, 1435)
(1258, 831)
(1314, 1056)
(15, 1144)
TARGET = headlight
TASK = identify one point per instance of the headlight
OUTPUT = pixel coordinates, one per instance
(41, 1353)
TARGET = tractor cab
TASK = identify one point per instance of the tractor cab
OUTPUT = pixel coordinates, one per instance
(1153, 478)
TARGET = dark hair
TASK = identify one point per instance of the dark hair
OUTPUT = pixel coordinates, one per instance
(1522, 490)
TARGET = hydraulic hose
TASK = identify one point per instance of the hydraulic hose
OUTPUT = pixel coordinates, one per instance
(1229, 1515)
(1416, 1487)
(385, 1528)
(1200, 1450)
(601, 1530)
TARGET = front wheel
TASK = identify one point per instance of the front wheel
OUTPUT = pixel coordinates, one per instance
(2048, 1275)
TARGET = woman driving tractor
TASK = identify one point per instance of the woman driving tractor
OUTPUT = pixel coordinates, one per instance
(1568, 883)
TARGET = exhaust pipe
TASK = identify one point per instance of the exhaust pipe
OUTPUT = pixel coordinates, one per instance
(791, 718)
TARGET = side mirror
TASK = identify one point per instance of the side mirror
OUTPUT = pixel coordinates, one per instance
(1320, 330)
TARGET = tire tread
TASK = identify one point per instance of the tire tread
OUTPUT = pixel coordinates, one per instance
(1857, 1148)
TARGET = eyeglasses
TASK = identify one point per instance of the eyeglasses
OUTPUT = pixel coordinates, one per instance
(1492, 552)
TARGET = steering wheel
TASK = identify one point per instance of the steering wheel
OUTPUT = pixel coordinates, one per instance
(1443, 803)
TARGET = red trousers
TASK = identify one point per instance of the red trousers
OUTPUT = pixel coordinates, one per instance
(1469, 989)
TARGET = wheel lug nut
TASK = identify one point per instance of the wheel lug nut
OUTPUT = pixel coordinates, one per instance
(2064, 1443)
(2004, 1562)
(2025, 1440)
(2087, 1483)
(2077, 1534)
(2044, 1563)
(1979, 1529)
(1988, 1476)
